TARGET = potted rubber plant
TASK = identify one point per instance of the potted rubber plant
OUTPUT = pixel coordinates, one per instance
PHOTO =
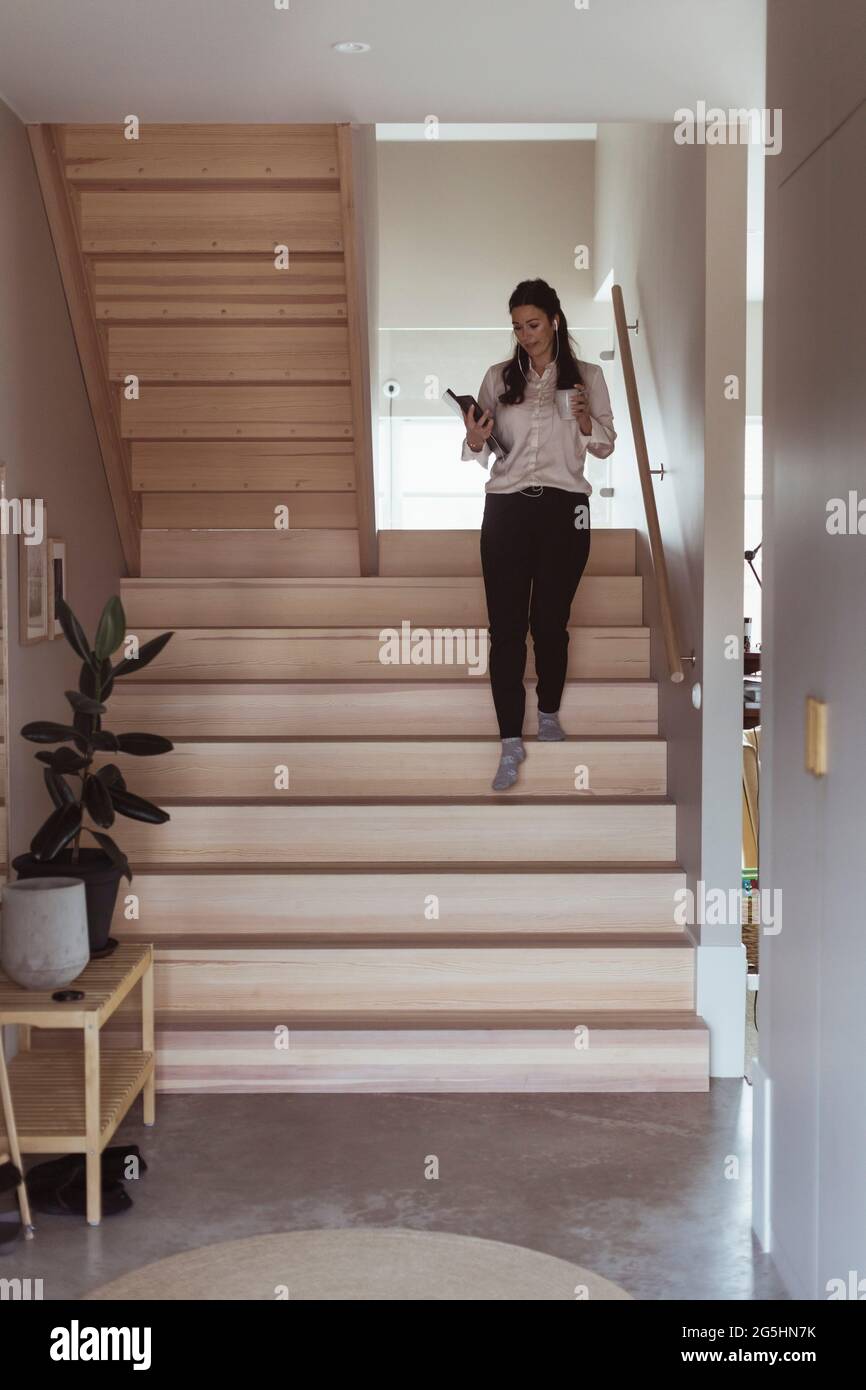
(73, 785)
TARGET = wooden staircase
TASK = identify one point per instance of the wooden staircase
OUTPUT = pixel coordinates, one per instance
(339, 901)
(407, 927)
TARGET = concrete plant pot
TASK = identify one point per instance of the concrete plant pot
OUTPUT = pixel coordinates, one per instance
(43, 931)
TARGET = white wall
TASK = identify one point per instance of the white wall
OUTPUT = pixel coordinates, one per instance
(460, 224)
(811, 1135)
(671, 226)
(49, 446)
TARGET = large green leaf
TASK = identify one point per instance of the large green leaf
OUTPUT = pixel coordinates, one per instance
(74, 632)
(111, 775)
(111, 629)
(59, 789)
(105, 741)
(114, 852)
(61, 826)
(46, 731)
(63, 760)
(84, 704)
(146, 654)
(144, 745)
(136, 808)
(97, 799)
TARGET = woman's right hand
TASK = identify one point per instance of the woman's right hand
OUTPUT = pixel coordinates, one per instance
(478, 431)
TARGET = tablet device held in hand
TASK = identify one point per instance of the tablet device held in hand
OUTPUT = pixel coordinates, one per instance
(460, 405)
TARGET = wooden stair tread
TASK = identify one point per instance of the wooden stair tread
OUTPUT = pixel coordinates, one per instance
(301, 582)
(295, 940)
(464, 1021)
(287, 631)
(419, 867)
(456, 799)
(276, 945)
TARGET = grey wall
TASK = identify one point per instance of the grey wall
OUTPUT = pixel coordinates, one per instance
(811, 1116)
(48, 444)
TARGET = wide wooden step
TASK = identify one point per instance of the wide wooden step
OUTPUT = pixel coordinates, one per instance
(296, 905)
(397, 832)
(510, 1051)
(426, 553)
(261, 653)
(287, 466)
(423, 768)
(321, 986)
(273, 352)
(216, 289)
(196, 154)
(293, 411)
(364, 709)
(239, 512)
(445, 601)
(208, 220)
(316, 551)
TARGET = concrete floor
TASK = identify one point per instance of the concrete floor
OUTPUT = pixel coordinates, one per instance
(632, 1186)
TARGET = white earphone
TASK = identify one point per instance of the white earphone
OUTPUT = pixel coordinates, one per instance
(556, 358)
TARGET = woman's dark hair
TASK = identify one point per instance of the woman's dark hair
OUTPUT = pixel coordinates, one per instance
(539, 293)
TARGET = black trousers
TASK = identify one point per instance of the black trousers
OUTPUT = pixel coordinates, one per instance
(534, 549)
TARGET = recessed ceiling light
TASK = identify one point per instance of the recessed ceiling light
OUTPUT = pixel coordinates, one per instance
(351, 46)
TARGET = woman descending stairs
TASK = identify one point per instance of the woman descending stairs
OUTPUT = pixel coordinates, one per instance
(341, 902)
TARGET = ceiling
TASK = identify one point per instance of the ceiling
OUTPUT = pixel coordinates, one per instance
(460, 60)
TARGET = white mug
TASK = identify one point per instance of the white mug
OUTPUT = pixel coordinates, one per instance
(564, 402)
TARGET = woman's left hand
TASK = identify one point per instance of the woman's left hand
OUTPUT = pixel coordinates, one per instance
(579, 398)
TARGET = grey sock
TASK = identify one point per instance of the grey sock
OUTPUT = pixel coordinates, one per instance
(549, 728)
(513, 753)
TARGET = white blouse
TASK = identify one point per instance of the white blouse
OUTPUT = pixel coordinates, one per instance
(543, 446)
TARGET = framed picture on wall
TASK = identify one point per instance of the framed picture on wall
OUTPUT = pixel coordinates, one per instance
(33, 588)
(57, 584)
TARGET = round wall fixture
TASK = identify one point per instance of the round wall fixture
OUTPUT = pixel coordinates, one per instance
(391, 387)
(696, 695)
(350, 46)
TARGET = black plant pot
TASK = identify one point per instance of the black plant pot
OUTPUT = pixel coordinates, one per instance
(101, 880)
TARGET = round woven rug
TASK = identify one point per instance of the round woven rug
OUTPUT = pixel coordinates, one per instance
(361, 1264)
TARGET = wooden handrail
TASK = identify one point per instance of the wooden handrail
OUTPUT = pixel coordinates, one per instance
(657, 550)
